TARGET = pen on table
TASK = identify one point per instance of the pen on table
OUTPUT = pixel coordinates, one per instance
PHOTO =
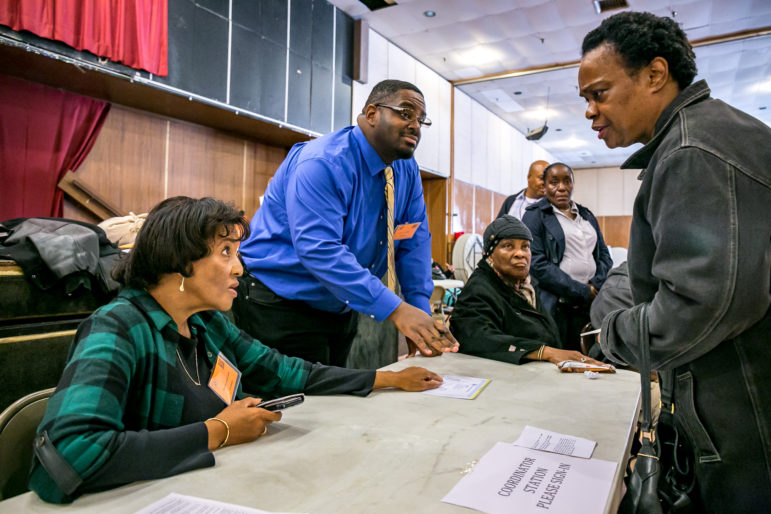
(444, 323)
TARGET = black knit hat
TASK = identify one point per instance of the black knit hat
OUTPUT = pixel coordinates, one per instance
(505, 227)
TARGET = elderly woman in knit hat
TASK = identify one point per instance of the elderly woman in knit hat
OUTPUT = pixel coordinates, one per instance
(498, 315)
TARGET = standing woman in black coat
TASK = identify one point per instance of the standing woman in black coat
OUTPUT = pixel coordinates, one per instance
(498, 314)
(570, 258)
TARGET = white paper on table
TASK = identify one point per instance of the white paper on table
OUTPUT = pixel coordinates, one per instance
(547, 441)
(466, 388)
(515, 479)
(191, 505)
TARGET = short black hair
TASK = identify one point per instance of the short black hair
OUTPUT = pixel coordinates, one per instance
(385, 89)
(177, 232)
(552, 165)
(639, 37)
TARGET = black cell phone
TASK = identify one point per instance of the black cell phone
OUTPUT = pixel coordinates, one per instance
(282, 403)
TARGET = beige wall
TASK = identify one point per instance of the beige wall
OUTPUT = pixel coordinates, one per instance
(609, 193)
(606, 191)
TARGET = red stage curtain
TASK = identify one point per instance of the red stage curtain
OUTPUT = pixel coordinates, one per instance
(43, 133)
(134, 32)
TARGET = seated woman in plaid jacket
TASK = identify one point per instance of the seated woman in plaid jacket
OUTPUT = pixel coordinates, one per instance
(134, 401)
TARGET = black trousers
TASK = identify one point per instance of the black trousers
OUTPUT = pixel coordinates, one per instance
(570, 320)
(291, 326)
(723, 407)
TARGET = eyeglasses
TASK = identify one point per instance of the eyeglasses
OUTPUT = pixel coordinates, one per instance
(407, 114)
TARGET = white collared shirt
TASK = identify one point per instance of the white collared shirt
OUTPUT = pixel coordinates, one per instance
(580, 240)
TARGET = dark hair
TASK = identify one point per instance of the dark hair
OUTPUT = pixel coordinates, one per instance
(385, 89)
(177, 232)
(552, 165)
(639, 37)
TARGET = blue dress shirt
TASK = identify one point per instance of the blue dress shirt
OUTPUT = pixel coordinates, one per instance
(320, 234)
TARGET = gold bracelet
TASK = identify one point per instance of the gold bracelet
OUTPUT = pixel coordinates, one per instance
(540, 352)
(227, 433)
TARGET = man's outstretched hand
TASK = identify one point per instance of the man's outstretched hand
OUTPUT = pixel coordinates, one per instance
(423, 333)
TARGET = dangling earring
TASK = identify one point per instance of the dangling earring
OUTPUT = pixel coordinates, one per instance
(182, 285)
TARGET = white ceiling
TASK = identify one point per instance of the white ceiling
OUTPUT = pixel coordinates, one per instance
(471, 38)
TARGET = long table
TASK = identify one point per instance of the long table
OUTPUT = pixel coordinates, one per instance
(393, 452)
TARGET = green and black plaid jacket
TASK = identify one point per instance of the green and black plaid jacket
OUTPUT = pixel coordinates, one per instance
(112, 407)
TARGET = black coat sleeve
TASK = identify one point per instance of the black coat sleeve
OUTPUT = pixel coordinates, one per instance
(615, 294)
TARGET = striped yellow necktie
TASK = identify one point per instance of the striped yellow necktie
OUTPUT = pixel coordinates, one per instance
(389, 194)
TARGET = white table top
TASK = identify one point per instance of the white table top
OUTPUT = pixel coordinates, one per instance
(448, 283)
(393, 452)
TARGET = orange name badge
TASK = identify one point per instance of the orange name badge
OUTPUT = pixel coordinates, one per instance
(405, 231)
(224, 379)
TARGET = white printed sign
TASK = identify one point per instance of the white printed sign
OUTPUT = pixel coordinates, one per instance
(515, 479)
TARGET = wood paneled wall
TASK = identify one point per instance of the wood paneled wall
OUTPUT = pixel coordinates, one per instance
(474, 207)
(463, 207)
(483, 209)
(141, 158)
(498, 200)
(615, 229)
(435, 194)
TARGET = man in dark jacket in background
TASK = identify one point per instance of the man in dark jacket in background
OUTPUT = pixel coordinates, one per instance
(516, 204)
(699, 248)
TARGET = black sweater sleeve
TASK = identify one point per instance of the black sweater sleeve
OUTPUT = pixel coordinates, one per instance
(334, 380)
(164, 453)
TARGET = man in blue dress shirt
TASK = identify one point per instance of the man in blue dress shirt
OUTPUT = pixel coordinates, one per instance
(319, 242)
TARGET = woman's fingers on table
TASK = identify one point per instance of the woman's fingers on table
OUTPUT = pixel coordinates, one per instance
(555, 356)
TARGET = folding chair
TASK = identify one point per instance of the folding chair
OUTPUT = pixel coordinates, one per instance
(18, 424)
